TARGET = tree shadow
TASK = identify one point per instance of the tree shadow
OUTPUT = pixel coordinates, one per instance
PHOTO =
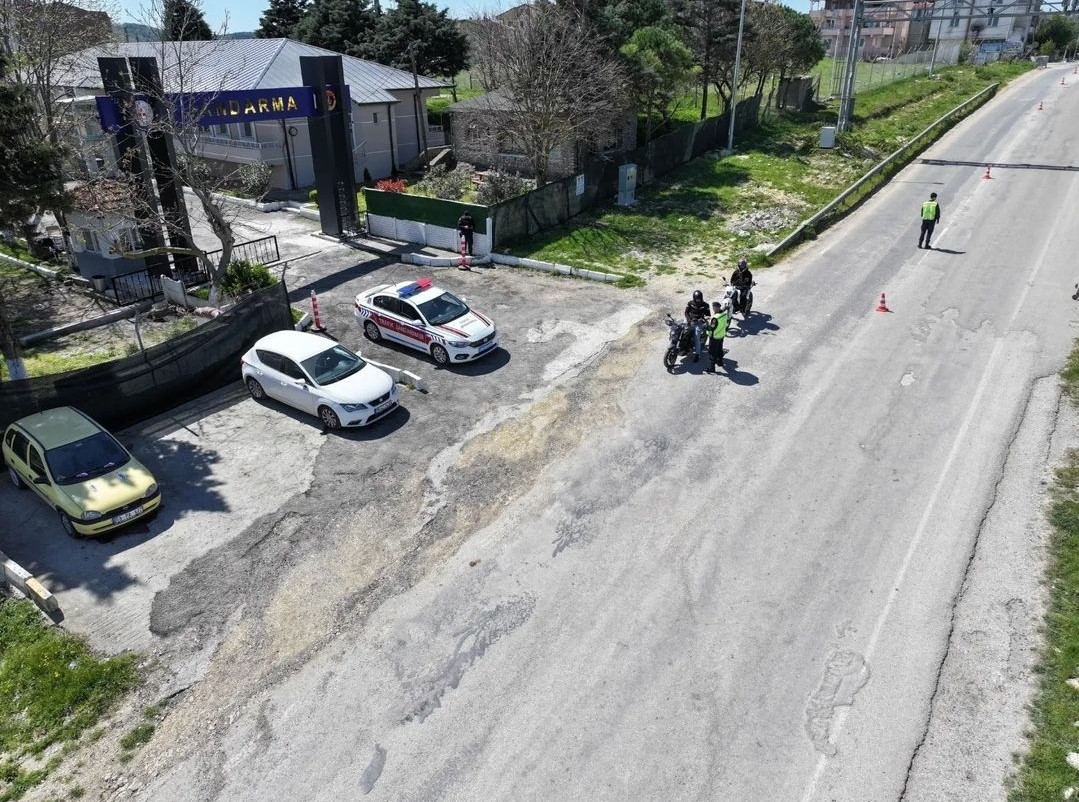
(300, 288)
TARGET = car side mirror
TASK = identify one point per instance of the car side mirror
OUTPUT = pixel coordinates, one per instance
(42, 480)
(300, 382)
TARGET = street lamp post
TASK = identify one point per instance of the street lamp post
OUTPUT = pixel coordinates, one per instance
(734, 84)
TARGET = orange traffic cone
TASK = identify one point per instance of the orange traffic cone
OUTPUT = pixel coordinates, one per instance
(883, 307)
(987, 175)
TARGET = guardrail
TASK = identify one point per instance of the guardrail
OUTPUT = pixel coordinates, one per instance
(830, 213)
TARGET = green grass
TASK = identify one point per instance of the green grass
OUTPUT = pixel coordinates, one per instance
(140, 736)
(1044, 774)
(687, 221)
(18, 252)
(52, 689)
(297, 314)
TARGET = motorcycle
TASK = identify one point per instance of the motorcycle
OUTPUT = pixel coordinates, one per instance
(740, 301)
(680, 342)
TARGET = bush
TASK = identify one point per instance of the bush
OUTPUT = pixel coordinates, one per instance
(447, 184)
(253, 180)
(242, 277)
(312, 196)
(498, 187)
(392, 185)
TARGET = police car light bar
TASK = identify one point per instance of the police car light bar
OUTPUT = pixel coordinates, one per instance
(415, 287)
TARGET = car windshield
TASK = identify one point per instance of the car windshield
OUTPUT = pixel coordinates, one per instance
(85, 459)
(443, 309)
(332, 365)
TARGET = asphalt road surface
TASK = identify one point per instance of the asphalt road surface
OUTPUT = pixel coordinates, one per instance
(636, 585)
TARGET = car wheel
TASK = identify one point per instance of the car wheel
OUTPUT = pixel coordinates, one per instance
(68, 524)
(255, 389)
(15, 480)
(440, 355)
(371, 332)
(329, 418)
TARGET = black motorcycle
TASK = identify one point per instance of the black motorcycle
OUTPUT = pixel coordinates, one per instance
(680, 342)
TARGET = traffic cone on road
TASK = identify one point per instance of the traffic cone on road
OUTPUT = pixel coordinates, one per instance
(987, 175)
(464, 256)
(883, 306)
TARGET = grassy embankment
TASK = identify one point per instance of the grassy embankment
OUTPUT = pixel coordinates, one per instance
(53, 692)
(699, 218)
(1045, 772)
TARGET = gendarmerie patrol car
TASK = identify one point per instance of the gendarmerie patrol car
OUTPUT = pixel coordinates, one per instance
(429, 319)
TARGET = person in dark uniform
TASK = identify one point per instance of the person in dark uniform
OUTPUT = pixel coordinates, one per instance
(697, 317)
(465, 227)
(930, 218)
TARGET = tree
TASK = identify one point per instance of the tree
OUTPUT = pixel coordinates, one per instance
(440, 46)
(1057, 30)
(344, 26)
(660, 69)
(182, 21)
(710, 29)
(30, 179)
(617, 20)
(280, 19)
(785, 43)
(554, 86)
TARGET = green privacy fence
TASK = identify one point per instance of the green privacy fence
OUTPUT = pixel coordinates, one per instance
(421, 209)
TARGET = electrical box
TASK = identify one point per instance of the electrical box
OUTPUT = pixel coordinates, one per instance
(827, 136)
(627, 184)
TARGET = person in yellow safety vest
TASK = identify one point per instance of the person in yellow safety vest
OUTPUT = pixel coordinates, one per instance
(930, 218)
(717, 330)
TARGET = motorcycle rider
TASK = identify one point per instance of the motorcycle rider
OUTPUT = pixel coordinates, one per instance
(697, 317)
(741, 280)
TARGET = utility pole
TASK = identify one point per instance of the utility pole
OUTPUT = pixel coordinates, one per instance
(417, 105)
(846, 102)
(734, 85)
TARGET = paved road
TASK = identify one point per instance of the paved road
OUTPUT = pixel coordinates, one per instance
(643, 586)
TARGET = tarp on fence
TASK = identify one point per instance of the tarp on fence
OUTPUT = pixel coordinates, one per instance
(134, 388)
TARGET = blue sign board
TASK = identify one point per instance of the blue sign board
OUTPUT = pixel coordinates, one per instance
(221, 108)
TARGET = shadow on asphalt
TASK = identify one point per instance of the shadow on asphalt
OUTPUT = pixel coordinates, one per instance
(757, 323)
(493, 361)
(728, 369)
(740, 377)
(946, 250)
(377, 430)
(498, 358)
(299, 289)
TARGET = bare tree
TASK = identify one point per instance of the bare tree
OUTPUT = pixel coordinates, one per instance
(555, 85)
(199, 70)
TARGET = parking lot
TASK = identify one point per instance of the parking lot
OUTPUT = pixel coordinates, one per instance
(264, 512)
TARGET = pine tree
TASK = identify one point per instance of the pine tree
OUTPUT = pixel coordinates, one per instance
(280, 19)
(440, 47)
(344, 26)
(182, 21)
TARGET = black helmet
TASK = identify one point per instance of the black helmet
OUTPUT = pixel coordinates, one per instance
(743, 263)
(698, 295)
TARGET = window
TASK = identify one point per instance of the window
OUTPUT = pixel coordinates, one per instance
(992, 16)
(85, 459)
(91, 128)
(221, 130)
(244, 131)
(407, 311)
(387, 303)
(17, 442)
(89, 242)
(954, 22)
(99, 163)
(290, 368)
(333, 365)
(34, 462)
(510, 146)
(374, 118)
(269, 359)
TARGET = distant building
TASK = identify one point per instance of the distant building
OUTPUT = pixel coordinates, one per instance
(389, 121)
(990, 35)
(70, 27)
(884, 32)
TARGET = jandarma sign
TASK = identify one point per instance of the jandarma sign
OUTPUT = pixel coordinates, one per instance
(220, 108)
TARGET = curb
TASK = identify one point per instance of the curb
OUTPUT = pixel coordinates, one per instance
(442, 261)
(303, 323)
(401, 376)
(554, 267)
(27, 584)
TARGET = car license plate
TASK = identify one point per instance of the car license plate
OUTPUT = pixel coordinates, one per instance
(383, 407)
(127, 516)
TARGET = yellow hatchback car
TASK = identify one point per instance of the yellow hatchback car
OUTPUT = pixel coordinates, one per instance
(80, 470)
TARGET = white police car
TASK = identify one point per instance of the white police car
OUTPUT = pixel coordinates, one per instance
(424, 317)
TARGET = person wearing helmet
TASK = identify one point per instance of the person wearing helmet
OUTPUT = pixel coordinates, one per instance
(697, 316)
(741, 280)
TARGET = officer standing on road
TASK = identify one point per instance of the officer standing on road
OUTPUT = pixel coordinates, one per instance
(465, 228)
(717, 330)
(930, 218)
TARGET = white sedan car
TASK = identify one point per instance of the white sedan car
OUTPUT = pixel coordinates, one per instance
(429, 319)
(318, 376)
